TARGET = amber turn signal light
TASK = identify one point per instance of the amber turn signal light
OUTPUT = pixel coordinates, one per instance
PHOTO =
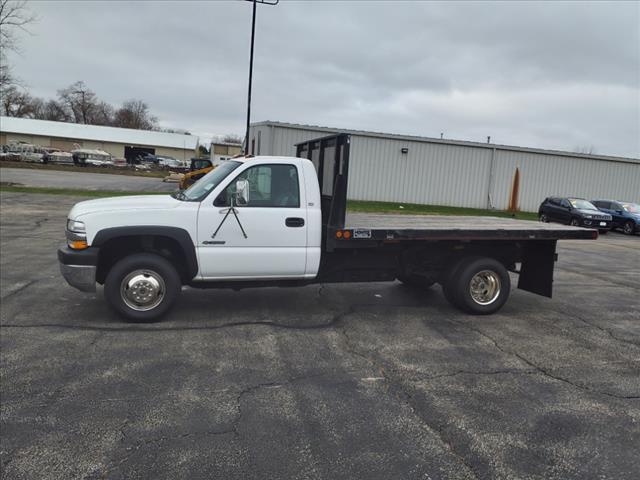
(78, 244)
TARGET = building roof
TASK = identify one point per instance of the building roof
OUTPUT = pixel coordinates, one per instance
(444, 141)
(76, 131)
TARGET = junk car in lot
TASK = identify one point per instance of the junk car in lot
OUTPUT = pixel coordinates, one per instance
(26, 152)
(58, 157)
(90, 157)
(577, 212)
(624, 215)
(282, 221)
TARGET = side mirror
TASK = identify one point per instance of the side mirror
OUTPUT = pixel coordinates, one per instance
(242, 192)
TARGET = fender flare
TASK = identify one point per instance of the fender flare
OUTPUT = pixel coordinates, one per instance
(180, 235)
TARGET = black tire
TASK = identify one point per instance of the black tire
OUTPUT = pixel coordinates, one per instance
(544, 218)
(449, 287)
(415, 281)
(628, 228)
(149, 269)
(575, 222)
(487, 274)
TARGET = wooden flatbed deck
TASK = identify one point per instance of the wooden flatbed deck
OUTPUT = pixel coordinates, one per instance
(440, 227)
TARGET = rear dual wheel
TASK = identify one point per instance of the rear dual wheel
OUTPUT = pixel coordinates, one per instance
(477, 285)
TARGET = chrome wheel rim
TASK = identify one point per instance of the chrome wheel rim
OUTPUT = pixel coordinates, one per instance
(627, 228)
(543, 218)
(142, 290)
(575, 222)
(485, 287)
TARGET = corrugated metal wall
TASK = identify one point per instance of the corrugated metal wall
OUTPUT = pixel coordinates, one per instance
(463, 175)
(429, 173)
(545, 175)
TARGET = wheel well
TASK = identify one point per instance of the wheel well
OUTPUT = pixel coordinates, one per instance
(118, 248)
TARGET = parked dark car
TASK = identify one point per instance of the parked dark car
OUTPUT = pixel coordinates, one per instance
(574, 211)
(625, 215)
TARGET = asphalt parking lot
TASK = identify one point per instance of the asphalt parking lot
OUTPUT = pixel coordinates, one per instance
(353, 381)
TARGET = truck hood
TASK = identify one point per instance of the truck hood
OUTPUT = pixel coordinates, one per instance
(134, 202)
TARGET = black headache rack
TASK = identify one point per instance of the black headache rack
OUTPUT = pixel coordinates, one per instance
(330, 157)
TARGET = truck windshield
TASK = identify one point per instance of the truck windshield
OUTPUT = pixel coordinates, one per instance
(211, 180)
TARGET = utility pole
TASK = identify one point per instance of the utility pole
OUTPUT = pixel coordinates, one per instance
(83, 107)
(253, 34)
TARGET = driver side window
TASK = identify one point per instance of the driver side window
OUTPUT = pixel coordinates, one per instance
(268, 186)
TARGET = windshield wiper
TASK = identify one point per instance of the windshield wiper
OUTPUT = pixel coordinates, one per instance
(179, 195)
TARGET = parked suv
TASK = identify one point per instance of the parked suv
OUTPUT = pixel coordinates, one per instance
(625, 215)
(574, 211)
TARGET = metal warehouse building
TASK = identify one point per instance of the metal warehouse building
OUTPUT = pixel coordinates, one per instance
(410, 169)
(119, 142)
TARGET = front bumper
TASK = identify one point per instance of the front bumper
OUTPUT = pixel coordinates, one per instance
(78, 267)
(589, 223)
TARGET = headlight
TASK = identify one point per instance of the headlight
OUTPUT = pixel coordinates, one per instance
(75, 226)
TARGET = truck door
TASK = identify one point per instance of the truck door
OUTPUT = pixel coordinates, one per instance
(260, 238)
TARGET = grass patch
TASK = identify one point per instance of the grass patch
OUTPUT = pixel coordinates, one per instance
(73, 191)
(414, 209)
(72, 168)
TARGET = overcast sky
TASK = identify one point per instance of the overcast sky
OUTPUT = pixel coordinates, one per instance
(551, 75)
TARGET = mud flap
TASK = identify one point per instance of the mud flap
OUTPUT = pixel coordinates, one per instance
(536, 273)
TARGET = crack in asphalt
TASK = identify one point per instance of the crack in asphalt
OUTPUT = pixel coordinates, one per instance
(20, 289)
(602, 329)
(233, 429)
(402, 394)
(545, 372)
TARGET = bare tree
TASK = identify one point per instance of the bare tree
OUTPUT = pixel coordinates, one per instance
(134, 114)
(232, 138)
(14, 17)
(80, 101)
(104, 114)
(49, 110)
(16, 103)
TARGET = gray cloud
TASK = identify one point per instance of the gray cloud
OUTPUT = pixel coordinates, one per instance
(542, 74)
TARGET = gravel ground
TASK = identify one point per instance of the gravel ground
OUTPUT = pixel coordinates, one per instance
(334, 381)
(84, 181)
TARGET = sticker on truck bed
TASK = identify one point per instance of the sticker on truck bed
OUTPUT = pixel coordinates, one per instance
(361, 233)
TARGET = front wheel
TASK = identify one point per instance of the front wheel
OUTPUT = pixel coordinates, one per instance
(628, 228)
(575, 222)
(480, 286)
(142, 287)
(544, 218)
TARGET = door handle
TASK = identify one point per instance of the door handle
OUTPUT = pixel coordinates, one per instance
(225, 210)
(214, 242)
(294, 222)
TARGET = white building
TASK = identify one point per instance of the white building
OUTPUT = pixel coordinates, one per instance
(423, 170)
(119, 142)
